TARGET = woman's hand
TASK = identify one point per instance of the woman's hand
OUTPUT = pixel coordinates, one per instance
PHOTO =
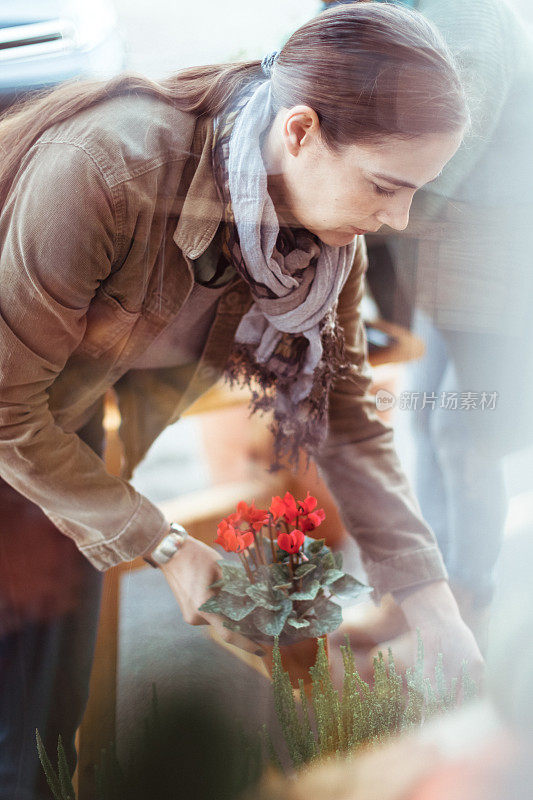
(433, 611)
(430, 609)
(189, 574)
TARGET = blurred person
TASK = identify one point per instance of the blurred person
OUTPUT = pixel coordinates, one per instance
(158, 236)
(465, 262)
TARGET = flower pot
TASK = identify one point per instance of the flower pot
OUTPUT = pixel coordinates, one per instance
(296, 658)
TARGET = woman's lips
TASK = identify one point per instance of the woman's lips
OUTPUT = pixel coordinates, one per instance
(352, 231)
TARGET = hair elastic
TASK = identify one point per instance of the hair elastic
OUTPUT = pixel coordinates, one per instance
(268, 62)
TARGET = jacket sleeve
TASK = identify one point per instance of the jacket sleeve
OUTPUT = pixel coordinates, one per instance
(361, 468)
(58, 231)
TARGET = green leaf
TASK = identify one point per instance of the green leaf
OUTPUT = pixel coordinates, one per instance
(231, 572)
(266, 596)
(332, 575)
(337, 557)
(271, 623)
(51, 777)
(234, 607)
(327, 562)
(279, 574)
(309, 593)
(64, 773)
(245, 626)
(237, 586)
(304, 569)
(328, 618)
(348, 587)
(211, 606)
(313, 546)
(298, 623)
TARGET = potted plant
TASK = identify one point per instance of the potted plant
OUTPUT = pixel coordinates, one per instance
(285, 582)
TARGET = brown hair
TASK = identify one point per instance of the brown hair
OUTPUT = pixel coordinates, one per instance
(369, 70)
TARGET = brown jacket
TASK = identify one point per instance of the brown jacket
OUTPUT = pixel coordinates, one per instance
(97, 236)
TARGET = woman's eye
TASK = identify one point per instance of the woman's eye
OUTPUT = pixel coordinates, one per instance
(383, 192)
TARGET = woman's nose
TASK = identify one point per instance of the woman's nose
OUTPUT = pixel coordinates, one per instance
(396, 215)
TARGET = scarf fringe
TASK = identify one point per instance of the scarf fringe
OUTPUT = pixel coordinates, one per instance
(303, 428)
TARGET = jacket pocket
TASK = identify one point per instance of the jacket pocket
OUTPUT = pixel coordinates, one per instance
(108, 325)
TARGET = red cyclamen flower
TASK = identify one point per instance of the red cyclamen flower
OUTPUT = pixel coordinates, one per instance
(307, 505)
(232, 540)
(291, 542)
(284, 507)
(255, 517)
(312, 521)
(309, 518)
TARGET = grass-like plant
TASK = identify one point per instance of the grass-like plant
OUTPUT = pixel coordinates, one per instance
(59, 782)
(330, 723)
(326, 723)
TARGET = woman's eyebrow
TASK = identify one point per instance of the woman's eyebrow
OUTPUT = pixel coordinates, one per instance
(395, 181)
(399, 182)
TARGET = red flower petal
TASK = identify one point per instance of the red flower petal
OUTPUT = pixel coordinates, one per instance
(284, 507)
(308, 504)
(291, 508)
(257, 516)
(317, 517)
(277, 507)
(242, 508)
(244, 540)
(291, 542)
(227, 537)
(298, 538)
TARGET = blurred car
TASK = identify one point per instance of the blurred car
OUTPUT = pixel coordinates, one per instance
(45, 42)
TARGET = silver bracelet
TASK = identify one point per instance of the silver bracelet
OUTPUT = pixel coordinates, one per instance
(169, 546)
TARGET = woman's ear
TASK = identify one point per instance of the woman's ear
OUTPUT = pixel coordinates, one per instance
(300, 129)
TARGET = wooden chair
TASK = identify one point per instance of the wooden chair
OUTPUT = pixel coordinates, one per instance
(200, 511)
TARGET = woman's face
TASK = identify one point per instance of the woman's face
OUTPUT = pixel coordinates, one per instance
(364, 186)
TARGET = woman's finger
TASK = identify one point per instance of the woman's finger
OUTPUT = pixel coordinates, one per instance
(232, 637)
(368, 625)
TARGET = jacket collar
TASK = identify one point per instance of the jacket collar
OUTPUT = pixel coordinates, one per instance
(202, 208)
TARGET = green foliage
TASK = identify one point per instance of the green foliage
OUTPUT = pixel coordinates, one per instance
(304, 569)
(236, 608)
(185, 750)
(309, 593)
(59, 782)
(313, 547)
(333, 724)
(265, 595)
(271, 623)
(287, 599)
(320, 723)
(294, 729)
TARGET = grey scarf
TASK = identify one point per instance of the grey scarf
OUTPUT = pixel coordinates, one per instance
(294, 278)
